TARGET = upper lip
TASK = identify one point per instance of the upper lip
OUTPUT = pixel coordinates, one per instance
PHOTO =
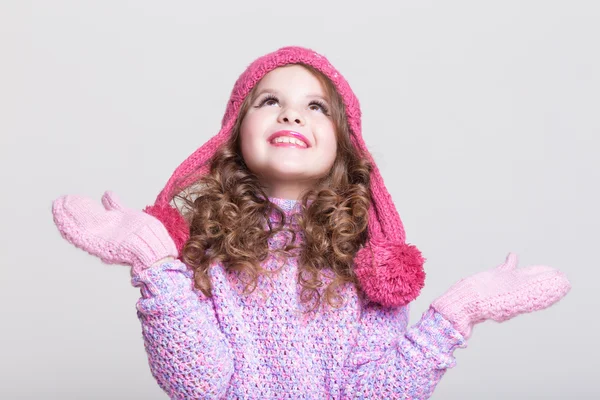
(293, 134)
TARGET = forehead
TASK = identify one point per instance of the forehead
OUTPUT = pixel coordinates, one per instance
(292, 77)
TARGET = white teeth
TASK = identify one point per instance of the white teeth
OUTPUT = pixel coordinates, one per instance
(287, 139)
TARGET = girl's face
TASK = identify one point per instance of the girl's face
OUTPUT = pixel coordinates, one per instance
(289, 102)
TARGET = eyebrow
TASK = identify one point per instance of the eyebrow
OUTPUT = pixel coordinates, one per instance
(267, 90)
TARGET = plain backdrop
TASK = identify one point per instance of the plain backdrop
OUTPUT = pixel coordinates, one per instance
(482, 116)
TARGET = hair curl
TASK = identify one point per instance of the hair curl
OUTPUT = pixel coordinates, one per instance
(228, 207)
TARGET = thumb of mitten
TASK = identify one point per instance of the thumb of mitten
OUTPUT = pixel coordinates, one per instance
(509, 264)
(111, 201)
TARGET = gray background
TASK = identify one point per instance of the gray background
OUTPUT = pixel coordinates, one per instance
(483, 117)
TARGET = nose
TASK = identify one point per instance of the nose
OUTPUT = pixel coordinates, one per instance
(290, 115)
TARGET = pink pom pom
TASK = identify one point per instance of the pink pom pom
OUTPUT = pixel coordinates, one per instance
(392, 275)
(174, 222)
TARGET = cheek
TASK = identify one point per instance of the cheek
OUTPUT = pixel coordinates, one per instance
(256, 123)
(332, 151)
(250, 130)
(248, 127)
(251, 140)
(246, 138)
(329, 140)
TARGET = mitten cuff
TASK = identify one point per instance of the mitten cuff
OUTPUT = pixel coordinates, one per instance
(150, 244)
(459, 305)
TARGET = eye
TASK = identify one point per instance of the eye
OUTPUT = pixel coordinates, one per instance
(268, 100)
(317, 105)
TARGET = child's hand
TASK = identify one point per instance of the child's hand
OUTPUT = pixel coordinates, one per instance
(501, 294)
(114, 233)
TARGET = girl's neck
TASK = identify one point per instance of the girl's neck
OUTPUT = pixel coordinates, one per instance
(287, 189)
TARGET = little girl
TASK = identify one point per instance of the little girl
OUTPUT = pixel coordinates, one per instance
(274, 263)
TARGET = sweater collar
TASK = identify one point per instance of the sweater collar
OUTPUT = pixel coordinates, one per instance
(290, 208)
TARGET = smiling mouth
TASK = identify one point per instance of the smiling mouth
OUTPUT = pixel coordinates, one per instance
(288, 138)
(286, 141)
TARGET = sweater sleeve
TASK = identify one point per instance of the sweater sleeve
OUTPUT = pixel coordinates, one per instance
(188, 354)
(409, 366)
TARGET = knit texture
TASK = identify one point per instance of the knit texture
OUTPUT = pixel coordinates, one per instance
(501, 293)
(112, 232)
(263, 346)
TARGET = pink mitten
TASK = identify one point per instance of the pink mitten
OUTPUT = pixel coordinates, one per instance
(501, 294)
(114, 233)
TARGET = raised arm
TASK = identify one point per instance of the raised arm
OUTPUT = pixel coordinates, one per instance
(390, 364)
(189, 356)
(413, 363)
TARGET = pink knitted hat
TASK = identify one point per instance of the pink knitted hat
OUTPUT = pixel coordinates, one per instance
(390, 271)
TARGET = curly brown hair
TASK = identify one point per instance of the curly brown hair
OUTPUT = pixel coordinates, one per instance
(228, 208)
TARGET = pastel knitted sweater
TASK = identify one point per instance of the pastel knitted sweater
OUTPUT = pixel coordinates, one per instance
(263, 346)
